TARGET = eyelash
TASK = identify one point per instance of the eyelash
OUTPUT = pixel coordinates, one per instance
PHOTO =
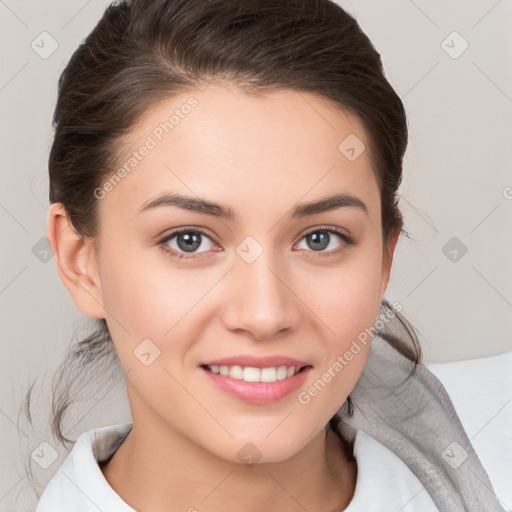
(163, 243)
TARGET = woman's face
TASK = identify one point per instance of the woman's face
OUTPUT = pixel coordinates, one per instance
(263, 282)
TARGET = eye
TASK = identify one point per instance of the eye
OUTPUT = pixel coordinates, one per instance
(184, 242)
(321, 238)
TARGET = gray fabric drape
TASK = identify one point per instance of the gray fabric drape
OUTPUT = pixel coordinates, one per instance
(416, 420)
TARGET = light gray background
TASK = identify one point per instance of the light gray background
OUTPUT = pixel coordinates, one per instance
(457, 183)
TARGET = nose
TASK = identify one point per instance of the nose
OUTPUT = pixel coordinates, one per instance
(261, 300)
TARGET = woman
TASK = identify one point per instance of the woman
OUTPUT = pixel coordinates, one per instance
(224, 182)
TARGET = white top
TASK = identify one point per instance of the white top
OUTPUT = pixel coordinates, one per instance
(79, 481)
(384, 482)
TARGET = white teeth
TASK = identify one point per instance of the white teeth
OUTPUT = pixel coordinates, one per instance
(268, 375)
(251, 374)
(281, 373)
(236, 372)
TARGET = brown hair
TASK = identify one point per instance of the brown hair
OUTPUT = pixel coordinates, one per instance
(144, 51)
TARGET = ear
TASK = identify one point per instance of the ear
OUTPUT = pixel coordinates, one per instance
(76, 262)
(387, 260)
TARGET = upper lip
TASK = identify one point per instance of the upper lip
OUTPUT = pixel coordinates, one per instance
(257, 361)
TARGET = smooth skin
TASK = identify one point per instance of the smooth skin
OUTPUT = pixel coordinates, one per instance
(261, 155)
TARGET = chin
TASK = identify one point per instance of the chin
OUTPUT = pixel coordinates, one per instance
(256, 449)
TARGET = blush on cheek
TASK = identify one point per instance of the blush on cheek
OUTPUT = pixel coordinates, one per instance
(350, 310)
(161, 307)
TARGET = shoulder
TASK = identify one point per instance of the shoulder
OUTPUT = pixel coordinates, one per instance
(481, 393)
(384, 481)
(79, 482)
(402, 429)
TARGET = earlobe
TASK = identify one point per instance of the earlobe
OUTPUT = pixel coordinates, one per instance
(76, 262)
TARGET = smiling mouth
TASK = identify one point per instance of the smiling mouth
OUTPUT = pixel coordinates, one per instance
(253, 374)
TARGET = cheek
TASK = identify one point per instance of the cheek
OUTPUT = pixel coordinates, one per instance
(154, 301)
(345, 300)
(144, 293)
(346, 297)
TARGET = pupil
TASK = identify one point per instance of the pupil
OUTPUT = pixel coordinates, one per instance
(319, 240)
(190, 241)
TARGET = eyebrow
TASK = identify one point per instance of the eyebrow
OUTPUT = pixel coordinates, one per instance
(205, 207)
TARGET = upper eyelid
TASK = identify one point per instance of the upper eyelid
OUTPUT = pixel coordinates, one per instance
(186, 229)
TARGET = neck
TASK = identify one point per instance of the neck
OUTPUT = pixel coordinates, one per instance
(158, 469)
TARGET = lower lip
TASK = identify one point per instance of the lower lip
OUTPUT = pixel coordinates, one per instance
(258, 392)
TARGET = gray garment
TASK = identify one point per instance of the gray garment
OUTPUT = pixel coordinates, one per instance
(415, 419)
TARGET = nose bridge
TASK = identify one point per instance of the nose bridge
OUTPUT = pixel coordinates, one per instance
(261, 301)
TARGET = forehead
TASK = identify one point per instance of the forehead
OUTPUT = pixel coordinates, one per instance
(224, 144)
